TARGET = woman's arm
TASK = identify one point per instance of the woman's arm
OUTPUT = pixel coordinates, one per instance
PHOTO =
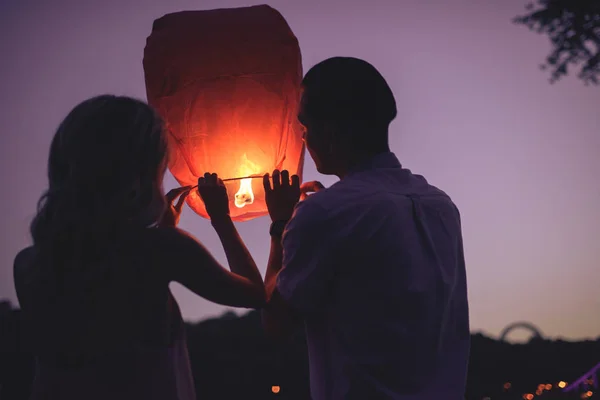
(197, 269)
(238, 256)
(190, 263)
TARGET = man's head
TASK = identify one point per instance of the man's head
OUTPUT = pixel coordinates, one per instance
(346, 109)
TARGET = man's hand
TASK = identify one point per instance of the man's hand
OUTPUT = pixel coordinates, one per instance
(214, 195)
(310, 187)
(173, 213)
(283, 196)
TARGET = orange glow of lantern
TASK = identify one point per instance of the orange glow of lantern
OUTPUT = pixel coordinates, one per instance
(227, 83)
(245, 194)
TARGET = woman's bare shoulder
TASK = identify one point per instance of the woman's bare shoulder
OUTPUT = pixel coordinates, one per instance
(22, 268)
(23, 260)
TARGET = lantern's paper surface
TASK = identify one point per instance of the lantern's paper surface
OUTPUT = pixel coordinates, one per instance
(227, 83)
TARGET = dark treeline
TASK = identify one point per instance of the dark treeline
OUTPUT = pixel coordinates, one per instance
(232, 359)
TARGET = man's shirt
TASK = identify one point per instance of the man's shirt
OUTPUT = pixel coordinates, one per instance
(375, 266)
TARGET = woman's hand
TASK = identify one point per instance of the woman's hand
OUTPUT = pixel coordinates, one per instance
(214, 195)
(283, 196)
(173, 212)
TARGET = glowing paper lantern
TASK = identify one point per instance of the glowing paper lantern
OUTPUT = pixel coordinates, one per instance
(227, 83)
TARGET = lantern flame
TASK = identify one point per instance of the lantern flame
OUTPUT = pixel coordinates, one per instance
(245, 195)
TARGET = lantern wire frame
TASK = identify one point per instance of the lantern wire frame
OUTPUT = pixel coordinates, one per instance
(237, 179)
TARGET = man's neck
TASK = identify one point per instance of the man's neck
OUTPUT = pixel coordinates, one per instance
(359, 159)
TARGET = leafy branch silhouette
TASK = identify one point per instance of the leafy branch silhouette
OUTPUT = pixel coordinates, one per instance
(573, 27)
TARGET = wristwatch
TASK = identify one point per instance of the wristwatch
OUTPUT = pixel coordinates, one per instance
(277, 228)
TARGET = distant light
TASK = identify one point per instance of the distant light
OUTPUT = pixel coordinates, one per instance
(275, 389)
(562, 384)
(507, 386)
(589, 393)
(548, 386)
(528, 396)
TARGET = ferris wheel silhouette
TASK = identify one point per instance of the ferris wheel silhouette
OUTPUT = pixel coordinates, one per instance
(536, 332)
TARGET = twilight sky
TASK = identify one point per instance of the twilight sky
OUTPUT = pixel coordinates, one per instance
(476, 117)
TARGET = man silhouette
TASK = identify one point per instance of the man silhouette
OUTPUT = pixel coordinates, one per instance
(373, 265)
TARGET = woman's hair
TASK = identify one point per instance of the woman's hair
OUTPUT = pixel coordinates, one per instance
(105, 171)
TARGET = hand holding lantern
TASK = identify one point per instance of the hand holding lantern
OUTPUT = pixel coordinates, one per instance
(283, 196)
(214, 195)
(171, 216)
(310, 187)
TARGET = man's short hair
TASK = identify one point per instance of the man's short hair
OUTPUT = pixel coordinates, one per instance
(348, 90)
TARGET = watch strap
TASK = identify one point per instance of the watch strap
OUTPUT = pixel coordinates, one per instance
(277, 228)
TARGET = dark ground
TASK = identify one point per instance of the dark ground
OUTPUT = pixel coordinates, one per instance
(232, 359)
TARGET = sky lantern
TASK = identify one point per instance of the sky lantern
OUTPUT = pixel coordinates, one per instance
(227, 83)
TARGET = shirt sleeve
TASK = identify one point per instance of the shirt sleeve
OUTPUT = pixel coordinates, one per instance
(309, 249)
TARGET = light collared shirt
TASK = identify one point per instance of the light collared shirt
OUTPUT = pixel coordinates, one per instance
(375, 265)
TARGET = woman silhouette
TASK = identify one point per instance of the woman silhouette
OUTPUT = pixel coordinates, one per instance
(94, 287)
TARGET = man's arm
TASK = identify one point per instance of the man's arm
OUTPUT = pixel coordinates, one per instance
(294, 276)
(300, 269)
(279, 319)
(274, 265)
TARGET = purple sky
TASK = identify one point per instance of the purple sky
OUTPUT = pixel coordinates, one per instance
(476, 117)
